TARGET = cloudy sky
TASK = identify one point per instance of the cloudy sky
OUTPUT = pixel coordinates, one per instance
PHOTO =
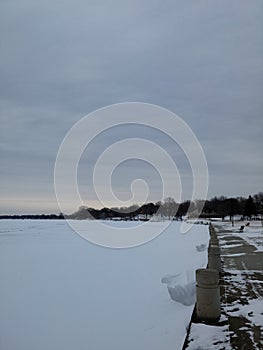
(61, 60)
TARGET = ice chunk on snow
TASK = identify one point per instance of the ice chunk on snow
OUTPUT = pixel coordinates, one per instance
(183, 294)
(181, 287)
(169, 279)
(201, 247)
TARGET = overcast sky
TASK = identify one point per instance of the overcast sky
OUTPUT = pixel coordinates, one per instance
(61, 60)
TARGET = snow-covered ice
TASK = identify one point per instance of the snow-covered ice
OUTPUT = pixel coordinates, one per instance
(59, 291)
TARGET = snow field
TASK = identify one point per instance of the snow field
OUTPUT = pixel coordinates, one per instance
(59, 291)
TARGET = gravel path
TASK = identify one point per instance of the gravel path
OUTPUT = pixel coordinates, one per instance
(241, 323)
(242, 288)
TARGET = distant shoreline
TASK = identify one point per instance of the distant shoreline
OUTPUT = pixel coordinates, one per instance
(33, 217)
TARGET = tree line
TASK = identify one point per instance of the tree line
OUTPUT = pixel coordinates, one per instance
(34, 216)
(216, 207)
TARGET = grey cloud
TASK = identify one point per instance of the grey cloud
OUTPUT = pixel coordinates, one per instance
(62, 60)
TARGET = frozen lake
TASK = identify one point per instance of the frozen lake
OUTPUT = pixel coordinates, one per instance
(59, 291)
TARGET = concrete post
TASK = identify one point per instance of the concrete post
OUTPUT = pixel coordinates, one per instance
(207, 295)
(213, 235)
(212, 229)
(214, 241)
(214, 259)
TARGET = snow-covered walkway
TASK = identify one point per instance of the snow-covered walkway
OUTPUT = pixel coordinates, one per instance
(241, 322)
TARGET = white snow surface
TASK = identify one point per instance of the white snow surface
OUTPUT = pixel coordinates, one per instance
(253, 311)
(205, 337)
(59, 291)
